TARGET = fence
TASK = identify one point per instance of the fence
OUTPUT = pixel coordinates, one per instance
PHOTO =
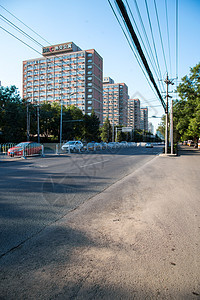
(54, 148)
(4, 148)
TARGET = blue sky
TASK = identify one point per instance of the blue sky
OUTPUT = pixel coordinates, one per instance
(92, 24)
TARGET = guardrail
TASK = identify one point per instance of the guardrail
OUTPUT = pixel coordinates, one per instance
(55, 148)
(4, 148)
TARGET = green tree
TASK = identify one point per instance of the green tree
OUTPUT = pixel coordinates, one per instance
(91, 130)
(12, 115)
(106, 131)
(187, 109)
(73, 127)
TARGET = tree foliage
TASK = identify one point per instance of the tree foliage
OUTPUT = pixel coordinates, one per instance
(12, 115)
(15, 113)
(187, 109)
(106, 131)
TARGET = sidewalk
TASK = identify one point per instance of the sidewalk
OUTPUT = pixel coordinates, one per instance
(139, 239)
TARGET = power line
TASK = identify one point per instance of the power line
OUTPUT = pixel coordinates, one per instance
(19, 30)
(139, 49)
(19, 39)
(25, 25)
(131, 46)
(147, 40)
(150, 60)
(176, 43)
(154, 45)
(168, 36)
(160, 34)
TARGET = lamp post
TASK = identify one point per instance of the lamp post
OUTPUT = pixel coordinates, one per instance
(171, 129)
(61, 115)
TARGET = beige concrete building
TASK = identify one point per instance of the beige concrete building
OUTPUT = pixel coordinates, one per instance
(134, 113)
(67, 73)
(144, 119)
(115, 102)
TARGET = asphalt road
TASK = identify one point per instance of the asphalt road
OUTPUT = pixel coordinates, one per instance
(36, 192)
(137, 239)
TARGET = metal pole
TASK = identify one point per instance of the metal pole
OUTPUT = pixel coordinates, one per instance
(166, 116)
(172, 129)
(116, 135)
(61, 122)
(113, 126)
(38, 122)
(27, 121)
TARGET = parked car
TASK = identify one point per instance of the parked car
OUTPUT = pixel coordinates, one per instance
(72, 146)
(117, 145)
(91, 146)
(25, 148)
(124, 144)
(103, 145)
(111, 145)
(190, 143)
(149, 145)
(98, 146)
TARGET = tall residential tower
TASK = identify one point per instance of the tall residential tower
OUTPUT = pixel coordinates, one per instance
(115, 105)
(67, 73)
(134, 113)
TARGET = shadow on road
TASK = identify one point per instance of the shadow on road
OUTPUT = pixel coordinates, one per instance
(186, 150)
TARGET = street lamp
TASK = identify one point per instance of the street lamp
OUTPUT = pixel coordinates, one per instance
(155, 117)
(61, 115)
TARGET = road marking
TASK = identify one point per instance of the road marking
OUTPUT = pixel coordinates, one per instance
(99, 162)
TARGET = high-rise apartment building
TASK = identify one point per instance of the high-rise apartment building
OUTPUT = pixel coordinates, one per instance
(144, 119)
(151, 127)
(67, 73)
(115, 102)
(134, 113)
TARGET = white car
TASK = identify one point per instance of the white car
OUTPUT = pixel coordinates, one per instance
(72, 146)
(111, 145)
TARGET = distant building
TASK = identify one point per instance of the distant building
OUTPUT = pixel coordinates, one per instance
(151, 127)
(134, 113)
(67, 73)
(108, 80)
(144, 119)
(160, 135)
(115, 97)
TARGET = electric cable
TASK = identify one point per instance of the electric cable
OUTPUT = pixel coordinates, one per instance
(176, 64)
(139, 49)
(168, 37)
(160, 35)
(25, 24)
(150, 60)
(19, 30)
(19, 39)
(154, 45)
(146, 37)
(131, 46)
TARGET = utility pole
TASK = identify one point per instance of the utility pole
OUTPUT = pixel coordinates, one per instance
(61, 114)
(27, 121)
(172, 129)
(38, 122)
(167, 81)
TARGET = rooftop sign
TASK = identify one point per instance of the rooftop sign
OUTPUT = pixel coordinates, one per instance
(67, 47)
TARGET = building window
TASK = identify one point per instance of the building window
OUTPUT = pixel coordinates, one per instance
(89, 78)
